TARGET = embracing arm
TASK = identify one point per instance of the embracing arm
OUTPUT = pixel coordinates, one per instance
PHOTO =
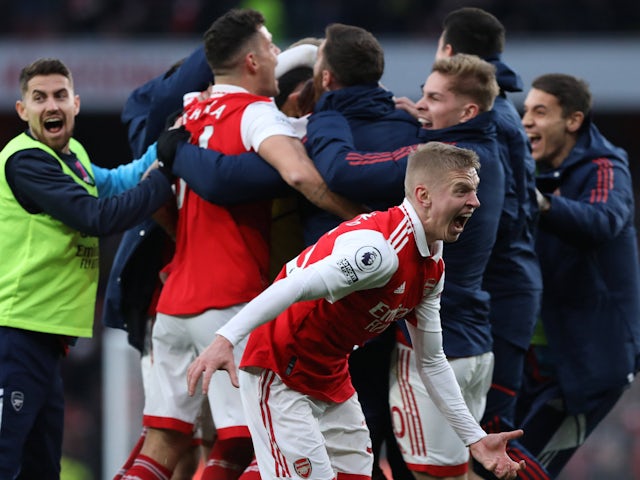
(408, 105)
(227, 179)
(40, 185)
(361, 176)
(288, 156)
(113, 181)
(281, 164)
(193, 75)
(599, 212)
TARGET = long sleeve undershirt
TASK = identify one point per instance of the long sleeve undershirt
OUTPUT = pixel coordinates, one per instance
(39, 185)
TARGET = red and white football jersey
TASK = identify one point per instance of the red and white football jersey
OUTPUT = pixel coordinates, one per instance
(380, 270)
(222, 253)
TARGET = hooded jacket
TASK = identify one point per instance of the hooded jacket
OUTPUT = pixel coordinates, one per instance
(380, 175)
(587, 245)
(513, 273)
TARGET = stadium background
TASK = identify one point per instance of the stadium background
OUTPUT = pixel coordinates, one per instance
(112, 46)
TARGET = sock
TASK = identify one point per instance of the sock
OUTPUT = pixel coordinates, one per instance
(228, 459)
(251, 472)
(132, 456)
(146, 468)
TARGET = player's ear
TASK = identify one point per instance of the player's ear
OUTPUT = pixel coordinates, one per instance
(21, 110)
(328, 79)
(469, 111)
(574, 121)
(251, 62)
(422, 195)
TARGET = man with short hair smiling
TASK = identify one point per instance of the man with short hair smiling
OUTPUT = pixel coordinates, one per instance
(512, 276)
(586, 349)
(456, 103)
(52, 211)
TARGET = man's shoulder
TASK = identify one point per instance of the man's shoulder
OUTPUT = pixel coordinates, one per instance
(506, 115)
(26, 156)
(479, 134)
(232, 98)
(388, 224)
(594, 150)
(234, 93)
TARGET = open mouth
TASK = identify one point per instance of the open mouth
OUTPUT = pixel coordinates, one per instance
(534, 139)
(53, 125)
(460, 221)
(425, 123)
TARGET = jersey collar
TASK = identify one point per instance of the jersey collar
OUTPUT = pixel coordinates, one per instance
(419, 233)
(226, 88)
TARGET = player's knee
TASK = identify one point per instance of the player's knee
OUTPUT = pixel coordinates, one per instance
(165, 440)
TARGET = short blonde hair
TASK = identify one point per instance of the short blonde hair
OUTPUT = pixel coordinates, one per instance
(430, 161)
(470, 76)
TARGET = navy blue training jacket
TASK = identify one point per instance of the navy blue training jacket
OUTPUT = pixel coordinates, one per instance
(513, 275)
(40, 185)
(587, 245)
(375, 125)
(148, 106)
(134, 271)
(465, 305)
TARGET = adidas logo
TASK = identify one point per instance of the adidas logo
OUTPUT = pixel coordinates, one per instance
(401, 288)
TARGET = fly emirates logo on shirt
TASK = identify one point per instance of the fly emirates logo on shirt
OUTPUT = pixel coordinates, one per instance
(384, 315)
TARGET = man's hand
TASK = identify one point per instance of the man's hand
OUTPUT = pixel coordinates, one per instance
(543, 202)
(155, 165)
(167, 144)
(408, 105)
(491, 453)
(217, 356)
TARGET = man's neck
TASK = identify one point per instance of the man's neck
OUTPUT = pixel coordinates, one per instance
(565, 151)
(237, 81)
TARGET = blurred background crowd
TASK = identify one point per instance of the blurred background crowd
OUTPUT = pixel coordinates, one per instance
(613, 452)
(293, 19)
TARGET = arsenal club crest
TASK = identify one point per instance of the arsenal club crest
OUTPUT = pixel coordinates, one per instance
(17, 400)
(302, 466)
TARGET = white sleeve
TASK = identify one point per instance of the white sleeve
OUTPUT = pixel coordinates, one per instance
(304, 284)
(428, 311)
(437, 375)
(303, 55)
(262, 120)
(360, 260)
(300, 125)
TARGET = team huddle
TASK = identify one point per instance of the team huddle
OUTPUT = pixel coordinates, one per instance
(440, 280)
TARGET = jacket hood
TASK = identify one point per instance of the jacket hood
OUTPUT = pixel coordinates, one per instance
(481, 126)
(592, 144)
(508, 80)
(368, 101)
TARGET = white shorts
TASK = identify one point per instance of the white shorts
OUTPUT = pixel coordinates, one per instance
(295, 435)
(426, 440)
(176, 343)
(204, 430)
